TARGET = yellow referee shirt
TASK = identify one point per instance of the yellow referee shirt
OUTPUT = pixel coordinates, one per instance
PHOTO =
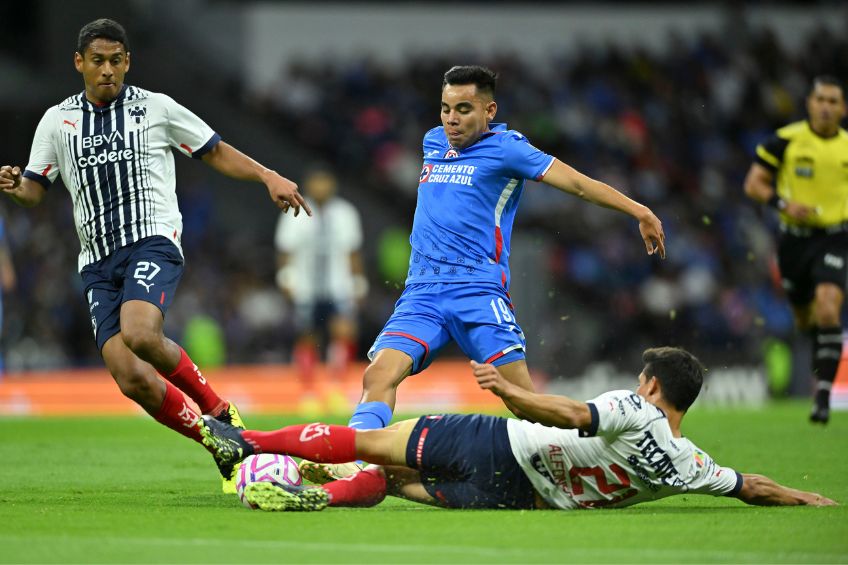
(810, 170)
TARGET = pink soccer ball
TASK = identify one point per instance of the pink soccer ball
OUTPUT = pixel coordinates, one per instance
(267, 468)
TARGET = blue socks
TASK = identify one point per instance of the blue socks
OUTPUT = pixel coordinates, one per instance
(371, 416)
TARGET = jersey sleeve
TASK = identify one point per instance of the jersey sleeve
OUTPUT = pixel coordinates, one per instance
(616, 412)
(770, 152)
(521, 159)
(188, 133)
(711, 478)
(43, 165)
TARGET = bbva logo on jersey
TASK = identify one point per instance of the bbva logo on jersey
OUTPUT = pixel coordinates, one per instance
(137, 113)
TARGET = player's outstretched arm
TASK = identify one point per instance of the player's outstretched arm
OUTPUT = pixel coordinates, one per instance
(24, 191)
(762, 491)
(229, 161)
(547, 409)
(568, 179)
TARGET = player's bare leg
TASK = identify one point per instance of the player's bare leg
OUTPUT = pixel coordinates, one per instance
(379, 394)
(827, 346)
(142, 335)
(138, 381)
(136, 378)
(141, 332)
(404, 482)
(383, 376)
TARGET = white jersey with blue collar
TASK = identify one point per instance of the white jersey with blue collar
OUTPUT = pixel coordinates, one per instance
(627, 456)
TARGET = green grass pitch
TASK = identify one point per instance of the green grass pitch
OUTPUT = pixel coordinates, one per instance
(125, 490)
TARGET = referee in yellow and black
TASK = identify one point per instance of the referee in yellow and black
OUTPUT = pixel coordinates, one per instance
(802, 171)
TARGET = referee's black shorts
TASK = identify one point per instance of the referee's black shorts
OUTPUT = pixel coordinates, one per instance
(810, 259)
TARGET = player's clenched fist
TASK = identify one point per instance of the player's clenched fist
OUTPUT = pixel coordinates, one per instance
(489, 378)
(10, 177)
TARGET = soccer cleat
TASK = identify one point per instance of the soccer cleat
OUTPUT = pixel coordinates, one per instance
(820, 414)
(275, 497)
(322, 473)
(226, 443)
(232, 417)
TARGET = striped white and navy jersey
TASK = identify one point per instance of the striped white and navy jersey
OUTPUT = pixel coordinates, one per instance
(628, 455)
(116, 161)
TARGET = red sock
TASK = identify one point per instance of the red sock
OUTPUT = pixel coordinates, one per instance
(365, 488)
(177, 414)
(321, 443)
(188, 379)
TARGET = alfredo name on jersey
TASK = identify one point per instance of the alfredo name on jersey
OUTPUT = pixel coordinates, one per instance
(116, 162)
(627, 456)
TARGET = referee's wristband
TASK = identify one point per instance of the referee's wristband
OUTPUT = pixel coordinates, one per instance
(777, 202)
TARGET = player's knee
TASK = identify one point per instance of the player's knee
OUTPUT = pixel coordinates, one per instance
(138, 386)
(827, 313)
(143, 342)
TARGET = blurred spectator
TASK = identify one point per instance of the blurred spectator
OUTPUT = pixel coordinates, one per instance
(7, 280)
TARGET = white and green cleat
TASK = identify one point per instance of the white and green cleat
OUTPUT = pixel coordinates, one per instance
(274, 497)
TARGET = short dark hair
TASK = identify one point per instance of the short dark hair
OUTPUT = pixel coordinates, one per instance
(828, 80)
(486, 80)
(103, 28)
(679, 373)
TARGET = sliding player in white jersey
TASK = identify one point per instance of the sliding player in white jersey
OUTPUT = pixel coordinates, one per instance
(617, 450)
(112, 146)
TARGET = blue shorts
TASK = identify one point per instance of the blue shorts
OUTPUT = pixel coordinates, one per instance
(479, 317)
(466, 461)
(148, 270)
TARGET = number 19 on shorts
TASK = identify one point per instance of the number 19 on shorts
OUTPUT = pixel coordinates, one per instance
(501, 310)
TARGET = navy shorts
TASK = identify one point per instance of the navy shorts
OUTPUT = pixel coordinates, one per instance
(148, 270)
(466, 461)
(479, 317)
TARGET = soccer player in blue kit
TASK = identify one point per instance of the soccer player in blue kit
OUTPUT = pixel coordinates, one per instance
(457, 286)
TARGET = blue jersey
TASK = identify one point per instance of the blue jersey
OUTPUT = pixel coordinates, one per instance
(466, 206)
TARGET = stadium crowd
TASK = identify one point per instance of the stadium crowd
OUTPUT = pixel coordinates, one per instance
(676, 129)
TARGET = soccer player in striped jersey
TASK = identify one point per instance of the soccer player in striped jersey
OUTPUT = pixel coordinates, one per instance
(618, 449)
(112, 146)
(457, 287)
